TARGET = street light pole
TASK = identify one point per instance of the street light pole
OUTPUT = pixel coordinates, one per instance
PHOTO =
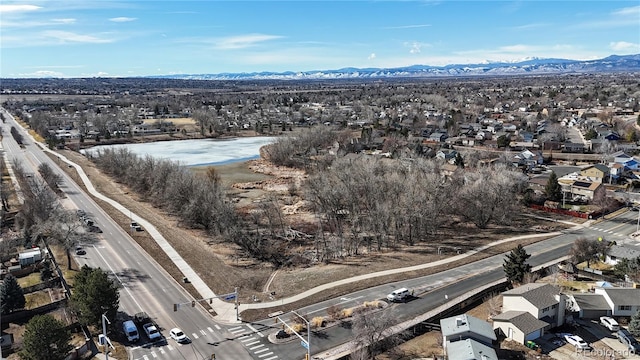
(104, 334)
(308, 335)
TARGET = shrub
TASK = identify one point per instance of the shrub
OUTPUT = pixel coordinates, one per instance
(317, 322)
(334, 312)
(372, 304)
(345, 313)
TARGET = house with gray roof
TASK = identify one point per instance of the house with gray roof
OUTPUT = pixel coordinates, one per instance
(622, 251)
(589, 305)
(542, 301)
(622, 301)
(470, 349)
(462, 327)
(519, 326)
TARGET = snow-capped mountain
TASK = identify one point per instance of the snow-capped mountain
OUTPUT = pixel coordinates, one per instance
(531, 66)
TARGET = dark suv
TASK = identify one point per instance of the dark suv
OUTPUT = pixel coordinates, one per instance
(626, 338)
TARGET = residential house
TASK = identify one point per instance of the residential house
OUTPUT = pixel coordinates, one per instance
(622, 251)
(622, 301)
(596, 173)
(438, 137)
(447, 155)
(572, 147)
(627, 161)
(463, 327)
(609, 135)
(519, 326)
(582, 189)
(470, 349)
(589, 306)
(616, 170)
(528, 159)
(29, 256)
(542, 301)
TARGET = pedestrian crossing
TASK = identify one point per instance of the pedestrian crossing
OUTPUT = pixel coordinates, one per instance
(252, 339)
(630, 240)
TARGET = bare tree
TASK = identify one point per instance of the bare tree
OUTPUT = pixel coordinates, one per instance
(372, 332)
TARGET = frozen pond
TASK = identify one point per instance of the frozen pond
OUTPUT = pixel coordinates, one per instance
(199, 152)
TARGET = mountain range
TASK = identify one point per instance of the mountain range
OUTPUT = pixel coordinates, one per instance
(533, 66)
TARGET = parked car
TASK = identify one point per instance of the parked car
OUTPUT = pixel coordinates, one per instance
(179, 336)
(131, 331)
(398, 295)
(625, 337)
(577, 341)
(80, 251)
(152, 331)
(609, 323)
(135, 226)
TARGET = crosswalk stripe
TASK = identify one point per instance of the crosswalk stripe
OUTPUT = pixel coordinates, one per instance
(271, 358)
(261, 351)
(217, 327)
(255, 330)
(162, 351)
(256, 347)
(195, 336)
(153, 353)
(263, 355)
(252, 343)
(203, 332)
(170, 347)
(210, 329)
(246, 339)
(235, 328)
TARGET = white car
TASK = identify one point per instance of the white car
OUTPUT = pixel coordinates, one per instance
(152, 331)
(577, 341)
(178, 335)
(609, 323)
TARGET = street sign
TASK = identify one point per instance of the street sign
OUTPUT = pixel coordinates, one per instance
(304, 344)
(230, 297)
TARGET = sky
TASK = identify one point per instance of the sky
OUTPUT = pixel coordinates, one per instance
(111, 38)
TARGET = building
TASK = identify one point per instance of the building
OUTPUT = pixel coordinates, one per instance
(596, 173)
(519, 326)
(542, 301)
(30, 256)
(465, 337)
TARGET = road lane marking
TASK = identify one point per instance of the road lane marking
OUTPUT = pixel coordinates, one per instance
(255, 330)
(341, 302)
(117, 277)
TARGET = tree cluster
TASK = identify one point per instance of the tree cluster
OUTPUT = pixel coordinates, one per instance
(11, 295)
(516, 266)
(94, 293)
(199, 201)
(45, 338)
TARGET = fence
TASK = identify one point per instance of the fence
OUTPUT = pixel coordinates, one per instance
(573, 213)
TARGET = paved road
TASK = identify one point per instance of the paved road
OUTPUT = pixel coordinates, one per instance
(145, 285)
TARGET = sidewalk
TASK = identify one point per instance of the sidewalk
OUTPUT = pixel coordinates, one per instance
(226, 312)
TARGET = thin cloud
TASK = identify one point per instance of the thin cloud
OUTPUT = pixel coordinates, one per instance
(69, 37)
(408, 26)
(244, 41)
(44, 74)
(628, 11)
(122, 19)
(17, 8)
(371, 56)
(624, 46)
(415, 47)
(529, 26)
(64, 21)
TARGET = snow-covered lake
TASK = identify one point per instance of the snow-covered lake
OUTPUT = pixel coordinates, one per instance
(199, 152)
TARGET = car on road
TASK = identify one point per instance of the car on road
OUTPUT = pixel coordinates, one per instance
(610, 323)
(577, 341)
(178, 335)
(401, 294)
(152, 331)
(80, 251)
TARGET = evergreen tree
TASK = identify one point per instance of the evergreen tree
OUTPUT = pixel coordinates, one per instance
(45, 338)
(553, 189)
(11, 295)
(94, 293)
(515, 265)
(634, 324)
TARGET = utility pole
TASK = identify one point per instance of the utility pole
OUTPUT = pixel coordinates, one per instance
(305, 343)
(107, 342)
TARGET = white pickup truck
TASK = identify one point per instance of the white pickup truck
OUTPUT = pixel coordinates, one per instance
(152, 331)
